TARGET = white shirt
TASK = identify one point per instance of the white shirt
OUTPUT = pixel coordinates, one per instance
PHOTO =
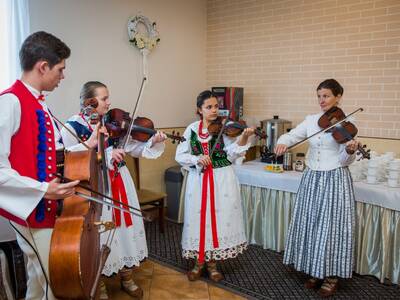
(19, 195)
(324, 153)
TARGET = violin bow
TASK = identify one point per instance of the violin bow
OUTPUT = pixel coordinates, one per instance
(71, 132)
(321, 131)
(223, 125)
(326, 129)
(134, 113)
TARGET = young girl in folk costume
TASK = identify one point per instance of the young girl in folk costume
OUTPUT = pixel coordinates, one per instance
(213, 224)
(129, 246)
(320, 240)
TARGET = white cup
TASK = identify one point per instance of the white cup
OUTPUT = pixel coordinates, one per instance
(372, 171)
(390, 154)
(393, 167)
(394, 164)
(373, 163)
(374, 153)
(371, 179)
(393, 182)
(393, 174)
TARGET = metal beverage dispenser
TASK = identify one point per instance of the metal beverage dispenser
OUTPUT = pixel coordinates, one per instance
(274, 128)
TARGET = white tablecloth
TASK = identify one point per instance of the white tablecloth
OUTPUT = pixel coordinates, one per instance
(253, 173)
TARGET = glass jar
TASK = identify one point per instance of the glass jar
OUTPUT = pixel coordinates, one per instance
(299, 164)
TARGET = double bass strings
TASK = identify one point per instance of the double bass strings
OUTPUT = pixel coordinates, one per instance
(65, 179)
(109, 204)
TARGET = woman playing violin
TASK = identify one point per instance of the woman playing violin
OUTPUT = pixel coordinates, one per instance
(129, 246)
(213, 226)
(320, 239)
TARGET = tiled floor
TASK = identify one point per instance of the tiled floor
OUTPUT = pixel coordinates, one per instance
(159, 282)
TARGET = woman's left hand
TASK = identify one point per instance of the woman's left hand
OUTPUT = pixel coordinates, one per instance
(158, 138)
(118, 155)
(247, 132)
(351, 146)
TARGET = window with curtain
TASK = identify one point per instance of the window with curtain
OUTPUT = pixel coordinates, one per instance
(14, 28)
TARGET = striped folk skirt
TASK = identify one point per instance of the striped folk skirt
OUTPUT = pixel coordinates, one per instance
(320, 240)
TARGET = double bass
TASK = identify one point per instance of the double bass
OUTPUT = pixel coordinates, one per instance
(76, 257)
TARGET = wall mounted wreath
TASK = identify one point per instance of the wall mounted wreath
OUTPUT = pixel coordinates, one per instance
(146, 39)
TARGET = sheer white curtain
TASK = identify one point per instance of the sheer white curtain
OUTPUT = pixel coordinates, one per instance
(14, 28)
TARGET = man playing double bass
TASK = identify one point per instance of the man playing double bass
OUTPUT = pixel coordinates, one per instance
(29, 138)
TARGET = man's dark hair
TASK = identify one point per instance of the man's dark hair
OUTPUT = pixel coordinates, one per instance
(42, 46)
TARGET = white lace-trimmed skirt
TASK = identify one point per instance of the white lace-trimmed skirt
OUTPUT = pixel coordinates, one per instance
(320, 240)
(129, 245)
(229, 216)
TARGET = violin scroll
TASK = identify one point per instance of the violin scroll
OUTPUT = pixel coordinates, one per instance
(176, 137)
(365, 153)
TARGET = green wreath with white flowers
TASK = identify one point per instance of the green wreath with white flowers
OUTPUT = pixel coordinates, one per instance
(143, 40)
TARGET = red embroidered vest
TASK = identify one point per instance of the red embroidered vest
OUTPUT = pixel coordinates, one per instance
(33, 153)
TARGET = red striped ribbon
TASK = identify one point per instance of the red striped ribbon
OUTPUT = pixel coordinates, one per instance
(119, 193)
(208, 180)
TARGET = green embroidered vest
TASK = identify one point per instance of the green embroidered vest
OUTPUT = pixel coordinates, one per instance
(219, 157)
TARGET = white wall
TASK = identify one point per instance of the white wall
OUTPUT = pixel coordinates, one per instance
(96, 32)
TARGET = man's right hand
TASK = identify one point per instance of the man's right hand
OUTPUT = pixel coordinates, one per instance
(57, 190)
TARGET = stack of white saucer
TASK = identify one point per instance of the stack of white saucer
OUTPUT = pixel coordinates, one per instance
(357, 170)
(376, 170)
(359, 167)
(393, 173)
(384, 169)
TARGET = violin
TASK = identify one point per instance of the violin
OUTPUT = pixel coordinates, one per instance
(334, 121)
(232, 128)
(117, 122)
(342, 132)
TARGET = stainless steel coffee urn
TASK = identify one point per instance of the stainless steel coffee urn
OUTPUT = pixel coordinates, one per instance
(274, 128)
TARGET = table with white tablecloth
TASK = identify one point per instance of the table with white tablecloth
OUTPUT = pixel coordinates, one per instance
(268, 201)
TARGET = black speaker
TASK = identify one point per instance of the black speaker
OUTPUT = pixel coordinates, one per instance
(224, 95)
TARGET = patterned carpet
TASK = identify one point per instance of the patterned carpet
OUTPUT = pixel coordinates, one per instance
(259, 273)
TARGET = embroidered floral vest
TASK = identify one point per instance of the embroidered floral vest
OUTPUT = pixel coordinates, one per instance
(219, 157)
